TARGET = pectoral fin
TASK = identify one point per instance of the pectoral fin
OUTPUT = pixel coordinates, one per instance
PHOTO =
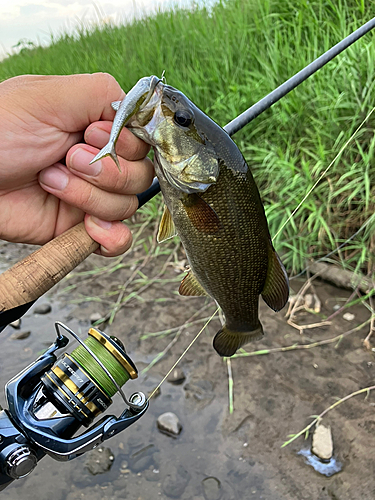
(190, 286)
(201, 215)
(276, 289)
(166, 228)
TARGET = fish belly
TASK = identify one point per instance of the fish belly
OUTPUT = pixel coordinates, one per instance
(230, 264)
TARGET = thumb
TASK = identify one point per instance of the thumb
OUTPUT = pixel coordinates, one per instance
(68, 102)
(86, 98)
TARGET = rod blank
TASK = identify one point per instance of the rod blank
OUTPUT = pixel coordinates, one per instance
(274, 96)
(247, 116)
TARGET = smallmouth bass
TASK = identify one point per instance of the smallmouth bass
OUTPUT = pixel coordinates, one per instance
(212, 203)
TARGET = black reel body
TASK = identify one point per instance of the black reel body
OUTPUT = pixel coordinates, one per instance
(51, 399)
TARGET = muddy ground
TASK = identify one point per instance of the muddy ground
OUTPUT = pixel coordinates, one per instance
(217, 455)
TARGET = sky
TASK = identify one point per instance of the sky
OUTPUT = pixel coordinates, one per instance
(35, 20)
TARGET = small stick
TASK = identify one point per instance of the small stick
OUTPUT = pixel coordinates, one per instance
(319, 417)
(230, 385)
(179, 329)
(300, 294)
(301, 328)
(366, 342)
(296, 347)
(296, 307)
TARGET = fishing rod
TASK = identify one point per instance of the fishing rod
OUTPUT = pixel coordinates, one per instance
(266, 102)
(53, 397)
(30, 278)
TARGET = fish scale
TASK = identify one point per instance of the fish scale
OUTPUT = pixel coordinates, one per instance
(231, 265)
(212, 203)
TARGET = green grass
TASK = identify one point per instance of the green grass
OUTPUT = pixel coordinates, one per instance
(228, 57)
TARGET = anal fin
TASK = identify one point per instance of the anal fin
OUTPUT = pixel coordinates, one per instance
(275, 292)
(190, 286)
(166, 229)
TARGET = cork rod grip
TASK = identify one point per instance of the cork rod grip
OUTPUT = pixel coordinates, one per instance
(33, 276)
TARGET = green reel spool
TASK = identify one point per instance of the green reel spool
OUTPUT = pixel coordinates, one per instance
(84, 381)
(113, 357)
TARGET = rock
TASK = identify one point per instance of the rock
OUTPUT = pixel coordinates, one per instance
(201, 392)
(322, 444)
(177, 377)
(176, 481)
(96, 316)
(211, 488)
(142, 459)
(169, 424)
(99, 460)
(20, 335)
(16, 324)
(309, 300)
(348, 316)
(42, 309)
(152, 474)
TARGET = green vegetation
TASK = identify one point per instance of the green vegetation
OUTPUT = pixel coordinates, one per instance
(228, 57)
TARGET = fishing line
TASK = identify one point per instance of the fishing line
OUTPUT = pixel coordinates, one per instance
(183, 354)
(278, 232)
(84, 358)
(266, 102)
(364, 225)
(258, 108)
(322, 175)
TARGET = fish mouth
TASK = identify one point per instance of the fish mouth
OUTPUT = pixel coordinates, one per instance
(149, 116)
(154, 82)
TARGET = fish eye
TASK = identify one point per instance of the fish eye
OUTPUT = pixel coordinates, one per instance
(183, 118)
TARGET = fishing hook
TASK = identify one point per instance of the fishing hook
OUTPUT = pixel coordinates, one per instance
(266, 102)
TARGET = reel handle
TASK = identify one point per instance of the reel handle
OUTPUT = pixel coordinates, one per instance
(31, 277)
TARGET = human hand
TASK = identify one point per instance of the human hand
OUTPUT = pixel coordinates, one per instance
(46, 182)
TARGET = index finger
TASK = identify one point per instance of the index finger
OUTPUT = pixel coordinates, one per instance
(128, 145)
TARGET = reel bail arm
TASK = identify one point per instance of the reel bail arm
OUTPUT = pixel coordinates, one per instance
(53, 397)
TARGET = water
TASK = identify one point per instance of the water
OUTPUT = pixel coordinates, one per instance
(327, 468)
(200, 464)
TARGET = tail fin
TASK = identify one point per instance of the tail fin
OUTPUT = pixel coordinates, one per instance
(108, 150)
(226, 341)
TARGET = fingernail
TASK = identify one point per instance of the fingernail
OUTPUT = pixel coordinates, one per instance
(103, 251)
(97, 135)
(104, 224)
(80, 160)
(54, 178)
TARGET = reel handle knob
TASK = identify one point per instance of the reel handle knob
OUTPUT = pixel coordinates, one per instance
(19, 460)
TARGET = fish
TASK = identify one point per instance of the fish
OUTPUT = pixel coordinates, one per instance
(139, 95)
(212, 202)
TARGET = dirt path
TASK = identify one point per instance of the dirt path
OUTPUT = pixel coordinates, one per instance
(217, 455)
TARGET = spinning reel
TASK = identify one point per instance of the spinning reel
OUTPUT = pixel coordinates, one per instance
(52, 398)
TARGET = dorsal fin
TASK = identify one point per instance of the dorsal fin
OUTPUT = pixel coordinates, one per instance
(166, 227)
(190, 286)
(275, 292)
(202, 216)
(115, 105)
